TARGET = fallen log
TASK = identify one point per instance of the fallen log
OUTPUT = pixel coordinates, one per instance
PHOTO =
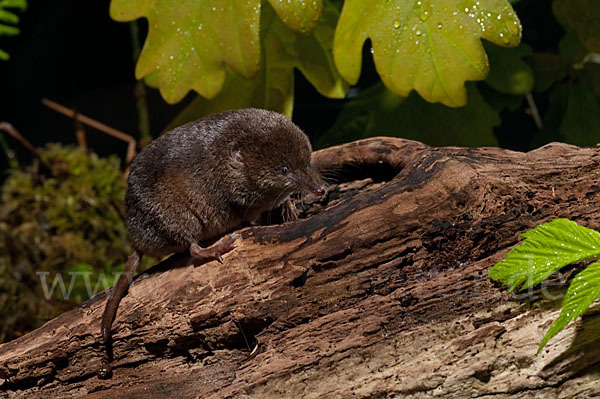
(379, 290)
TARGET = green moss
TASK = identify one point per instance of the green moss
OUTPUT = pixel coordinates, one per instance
(60, 222)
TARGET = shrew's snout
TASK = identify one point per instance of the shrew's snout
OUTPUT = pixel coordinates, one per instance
(313, 182)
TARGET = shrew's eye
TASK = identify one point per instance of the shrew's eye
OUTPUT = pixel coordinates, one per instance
(284, 170)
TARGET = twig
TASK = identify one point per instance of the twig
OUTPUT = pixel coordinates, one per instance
(79, 131)
(8, 128)
(243, 335)
(534, 111)
(96, 125)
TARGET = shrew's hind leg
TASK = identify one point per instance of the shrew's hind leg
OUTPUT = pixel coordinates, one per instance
(215, 251)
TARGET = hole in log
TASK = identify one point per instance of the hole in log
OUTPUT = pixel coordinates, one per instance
(248, 329)
(378, 172)
(158, 347)
(349, 170)
(300, 280)
(483, 375)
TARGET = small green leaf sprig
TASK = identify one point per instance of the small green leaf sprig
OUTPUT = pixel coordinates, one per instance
(547, 249)
(8, 19)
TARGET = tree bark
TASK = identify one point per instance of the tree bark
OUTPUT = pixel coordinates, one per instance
(379, 290)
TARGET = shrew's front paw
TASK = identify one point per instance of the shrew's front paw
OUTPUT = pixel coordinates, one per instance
(288, 211)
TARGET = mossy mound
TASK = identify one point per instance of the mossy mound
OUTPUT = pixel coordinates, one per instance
(68, 221)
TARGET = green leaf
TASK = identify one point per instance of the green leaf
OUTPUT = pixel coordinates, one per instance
(584, 17)
(338, 4)
(6, 30)
(299, 15)
(546, 249)
(152, 80)
(377, 111)
(570, 46)
(573, 115)
(581, 122)
(283, 50)
(553, 116)
(243, 93)
(573, 112)
(9, 17)
(509, 74)
(548, 69)
(19, 4)
(189, 43)
(313, 54)
(594, 76)
(431, 46)
(583, 291)
(499, 101)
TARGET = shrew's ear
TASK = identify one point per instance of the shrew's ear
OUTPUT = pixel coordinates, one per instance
(236, 157)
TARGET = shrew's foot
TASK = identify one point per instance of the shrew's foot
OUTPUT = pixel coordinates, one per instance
(215, 251)
(288, 211)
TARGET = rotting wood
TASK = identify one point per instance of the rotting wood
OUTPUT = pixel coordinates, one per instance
(380, 290)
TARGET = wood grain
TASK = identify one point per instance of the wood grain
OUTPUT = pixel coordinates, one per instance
(380, 289)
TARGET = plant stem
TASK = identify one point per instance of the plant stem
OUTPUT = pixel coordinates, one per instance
(534, 111)
(8, 128)
(96, 125)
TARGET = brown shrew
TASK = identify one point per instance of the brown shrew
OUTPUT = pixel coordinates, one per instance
(200, 181)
